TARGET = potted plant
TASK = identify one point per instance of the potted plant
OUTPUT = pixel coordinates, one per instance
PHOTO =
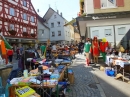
(25, 34)
(12, 32)
(33, 34)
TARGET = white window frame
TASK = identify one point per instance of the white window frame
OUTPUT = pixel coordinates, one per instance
(11, 27)
(58, 24)
(108, 34)
(53, 34)
(12, 11)
(32, 31)
(121, 31)
(52, 25)
(32, 19)
(97, 33)
(54, 16)
(108, 6)
(24, 29)
(59, 33)
(25, 16)
(25, 3)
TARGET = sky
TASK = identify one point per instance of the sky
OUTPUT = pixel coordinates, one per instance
(69, 8)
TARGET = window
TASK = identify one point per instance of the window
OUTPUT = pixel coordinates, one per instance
(32, 31)
(12, 12)
(59, 33)
(25, 16)
(58, 23)
(25, 3)
(52, 25)
(108, 32)
(24, 29)
(108, 3)
(42, 32)
(53, 34)
(121, 31)
(32, 19)
(95, 33)
(11, 27)
(54, 16)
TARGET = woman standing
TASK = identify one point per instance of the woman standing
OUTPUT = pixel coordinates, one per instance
(95, 49)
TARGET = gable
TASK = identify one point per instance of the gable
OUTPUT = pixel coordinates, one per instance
(49, 14)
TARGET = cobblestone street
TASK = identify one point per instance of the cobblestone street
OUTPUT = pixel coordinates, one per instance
(85, 85)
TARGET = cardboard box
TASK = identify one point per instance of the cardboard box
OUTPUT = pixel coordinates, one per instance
(71, 78)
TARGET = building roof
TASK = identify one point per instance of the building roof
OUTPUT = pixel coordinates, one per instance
(42, 21)
(49, 13)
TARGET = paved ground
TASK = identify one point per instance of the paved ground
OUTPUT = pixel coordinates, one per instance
(112, 87)
(91, 82)
(85, 85)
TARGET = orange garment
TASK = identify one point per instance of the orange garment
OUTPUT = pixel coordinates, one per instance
(3, 51)
(95, 48)
(2, 46)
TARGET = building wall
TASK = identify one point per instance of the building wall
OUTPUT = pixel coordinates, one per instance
(96, 8)
(76, 37)
(56, 28)
(43, 33)
(126, 7)
(65, 30)
(100, 26)
(17, 20)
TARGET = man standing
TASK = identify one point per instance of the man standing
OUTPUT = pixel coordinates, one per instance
(87, 49)
(43, 49)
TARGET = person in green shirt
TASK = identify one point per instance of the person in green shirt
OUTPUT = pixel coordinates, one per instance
(87, 49)
(43, 49)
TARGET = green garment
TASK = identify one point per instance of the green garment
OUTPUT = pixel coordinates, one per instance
(104, 56)
(87, 47)
(43, 47)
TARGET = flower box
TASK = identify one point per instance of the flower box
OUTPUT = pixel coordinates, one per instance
(25, 34)
(12, 32)
(33, 35)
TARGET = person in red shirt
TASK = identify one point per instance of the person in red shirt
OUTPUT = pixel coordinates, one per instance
(10, 55)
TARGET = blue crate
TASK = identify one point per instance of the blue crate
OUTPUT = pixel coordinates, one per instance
(110, 72)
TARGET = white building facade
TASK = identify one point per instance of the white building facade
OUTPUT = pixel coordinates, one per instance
(43, 31)
(58, 32)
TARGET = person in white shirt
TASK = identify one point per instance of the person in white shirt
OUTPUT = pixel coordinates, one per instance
(54, 48)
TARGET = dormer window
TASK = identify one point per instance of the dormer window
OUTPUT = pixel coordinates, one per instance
(54, 16)
(25, 3)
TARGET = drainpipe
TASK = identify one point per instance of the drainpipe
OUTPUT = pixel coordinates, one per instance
(114, 36)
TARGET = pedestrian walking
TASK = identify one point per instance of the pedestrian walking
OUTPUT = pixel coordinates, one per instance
(10, 55)
(17, 53)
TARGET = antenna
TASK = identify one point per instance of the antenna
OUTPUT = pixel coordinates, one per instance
(56, 6)
(49, 5)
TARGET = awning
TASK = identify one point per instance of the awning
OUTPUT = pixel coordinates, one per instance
(71, 22)
(81, 0)
(109, 14)
(74, 20)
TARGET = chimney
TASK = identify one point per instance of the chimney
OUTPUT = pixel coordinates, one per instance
(58, 11)
(61, 13)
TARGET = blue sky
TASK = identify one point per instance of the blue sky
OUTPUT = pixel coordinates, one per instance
(69, 8)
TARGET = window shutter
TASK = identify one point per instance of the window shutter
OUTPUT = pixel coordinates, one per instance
(120, 3)
(97, 4)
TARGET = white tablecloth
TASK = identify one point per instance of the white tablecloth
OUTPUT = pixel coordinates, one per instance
(108, 60)
(121, 63)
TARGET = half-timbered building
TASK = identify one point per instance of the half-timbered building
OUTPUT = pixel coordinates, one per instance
(18, 20)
